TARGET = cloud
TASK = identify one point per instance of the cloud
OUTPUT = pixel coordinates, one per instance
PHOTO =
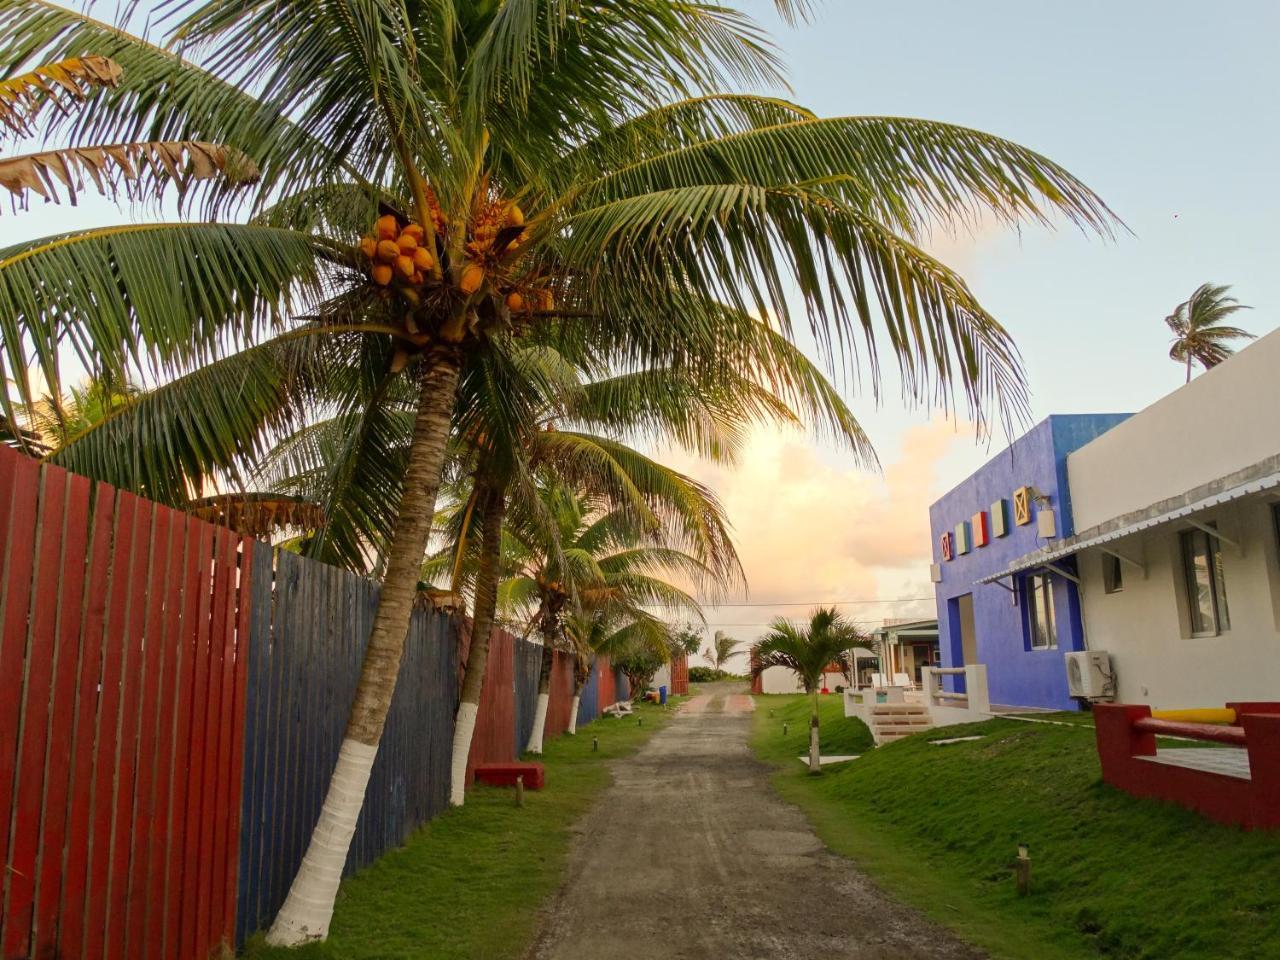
(811, 527)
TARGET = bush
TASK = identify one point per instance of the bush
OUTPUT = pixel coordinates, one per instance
(702, 675)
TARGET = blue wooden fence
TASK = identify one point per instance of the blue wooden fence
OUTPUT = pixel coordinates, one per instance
(528, 664)
(309, 630)
(589, 708)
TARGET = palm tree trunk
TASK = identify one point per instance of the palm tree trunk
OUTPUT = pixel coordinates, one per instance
(309, 906)
(1188, 366)
(544, 698)
(578, 684)
(493, 508)
(815, 760)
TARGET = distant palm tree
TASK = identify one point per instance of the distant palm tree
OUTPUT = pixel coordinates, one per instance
(1198, 331)
(807, 650)
(722, 648)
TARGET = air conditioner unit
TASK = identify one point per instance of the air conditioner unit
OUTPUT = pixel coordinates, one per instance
(1089, 674)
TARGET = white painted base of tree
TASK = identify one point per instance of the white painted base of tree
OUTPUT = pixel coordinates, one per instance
(573, 713)
(464, 729)
(539, 724)
(815, 761)
(308, 909)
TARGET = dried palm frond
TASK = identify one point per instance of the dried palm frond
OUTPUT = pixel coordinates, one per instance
(55, 84)
(135, 169)
(258, 514)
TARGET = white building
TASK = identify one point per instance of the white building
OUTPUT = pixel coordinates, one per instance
(1177, 549)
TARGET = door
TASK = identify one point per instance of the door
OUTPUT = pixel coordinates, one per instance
(964, 638)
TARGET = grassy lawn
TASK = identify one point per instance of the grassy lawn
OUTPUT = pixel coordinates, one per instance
(1114, 876)
(470, 884)
(836, 735)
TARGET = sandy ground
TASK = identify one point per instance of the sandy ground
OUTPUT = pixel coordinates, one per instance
(690, 854)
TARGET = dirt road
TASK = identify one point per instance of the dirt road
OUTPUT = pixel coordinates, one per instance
(692, 855)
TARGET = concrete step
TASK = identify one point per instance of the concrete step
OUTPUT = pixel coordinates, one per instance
(896, 709)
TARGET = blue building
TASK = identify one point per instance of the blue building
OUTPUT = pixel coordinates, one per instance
(1019, 627)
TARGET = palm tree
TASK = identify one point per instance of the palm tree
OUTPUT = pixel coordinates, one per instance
(722, 648)
(538, 166)
(1198, 331)
(807, 650)
(595, 558)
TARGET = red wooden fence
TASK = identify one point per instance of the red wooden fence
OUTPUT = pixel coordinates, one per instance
(680, 676)
(121, 721)
(494, 739)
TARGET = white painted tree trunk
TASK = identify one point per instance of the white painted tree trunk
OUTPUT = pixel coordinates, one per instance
(539, 724)
(308, 909)
(573, 713)
(464, 729)
(815, 762)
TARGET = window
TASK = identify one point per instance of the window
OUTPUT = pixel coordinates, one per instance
(1112, 574)
(1206, 588)
(1041, 627)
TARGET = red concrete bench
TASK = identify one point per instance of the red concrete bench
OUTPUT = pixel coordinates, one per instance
(1126, 737)
(504, 774)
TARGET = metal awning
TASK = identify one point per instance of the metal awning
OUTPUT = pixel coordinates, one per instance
(1112, 530)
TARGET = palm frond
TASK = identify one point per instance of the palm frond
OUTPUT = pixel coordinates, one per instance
(147, 295)
(136, 170)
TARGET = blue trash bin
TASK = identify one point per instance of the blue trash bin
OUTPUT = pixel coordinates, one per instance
(662, 696)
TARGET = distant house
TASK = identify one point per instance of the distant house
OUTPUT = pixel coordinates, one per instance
(901, 647)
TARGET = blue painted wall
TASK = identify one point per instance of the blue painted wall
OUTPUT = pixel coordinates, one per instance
(1016, 674)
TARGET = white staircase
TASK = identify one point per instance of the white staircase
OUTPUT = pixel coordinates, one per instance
(893, 721)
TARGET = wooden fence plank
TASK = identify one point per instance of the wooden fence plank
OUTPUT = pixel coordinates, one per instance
(131, 681)
(152, 679)
(227, 790)
(80, 814)
(188, 937)
(161, 840)
(58, 755)
(15, 576)
(33, 728)
(177, 876)
(102, 801)
(205, 906)
(244, 601)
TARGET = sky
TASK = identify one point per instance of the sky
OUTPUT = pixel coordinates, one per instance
(1166, 109)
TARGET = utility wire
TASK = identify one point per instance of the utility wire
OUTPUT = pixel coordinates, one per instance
(800, 603)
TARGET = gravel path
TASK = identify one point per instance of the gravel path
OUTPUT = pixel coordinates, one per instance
(690, 854)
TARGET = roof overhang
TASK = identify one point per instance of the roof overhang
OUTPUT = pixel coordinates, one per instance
(1167, 511)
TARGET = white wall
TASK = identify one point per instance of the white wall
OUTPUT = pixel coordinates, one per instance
(1146, 629)
(782, 680)
(1226, 419)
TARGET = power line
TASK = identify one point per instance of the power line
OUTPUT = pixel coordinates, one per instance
(802, 603)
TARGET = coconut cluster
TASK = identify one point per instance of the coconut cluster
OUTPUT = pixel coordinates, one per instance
(396, 253)
(398, 258)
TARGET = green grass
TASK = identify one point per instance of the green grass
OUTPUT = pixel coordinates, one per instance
(836, 735)
(470, 884)
(1113, 876)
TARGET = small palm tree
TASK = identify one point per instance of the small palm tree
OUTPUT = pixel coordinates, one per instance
(807, 650)
(1198, 331)
(722, 648)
